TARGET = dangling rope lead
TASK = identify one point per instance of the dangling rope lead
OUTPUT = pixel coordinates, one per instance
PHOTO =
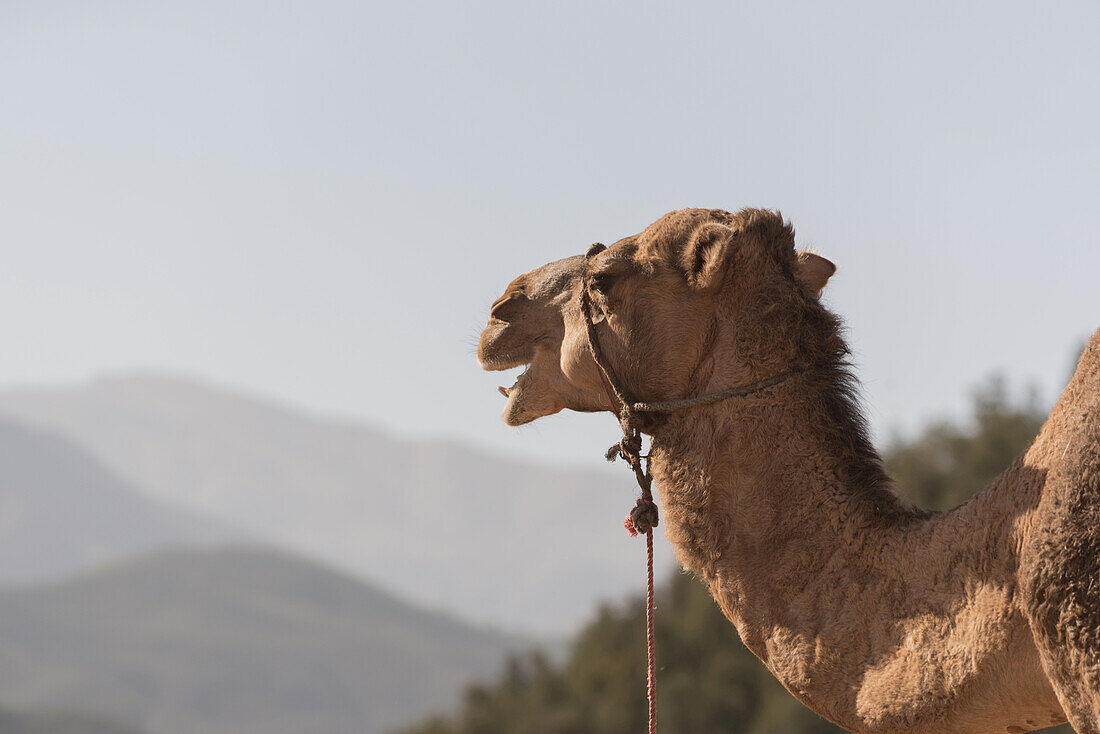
(651, 648)
(642, 519)
(644, 516)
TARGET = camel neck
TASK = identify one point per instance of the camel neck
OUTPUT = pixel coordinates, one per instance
(766, 473)
(788, 517)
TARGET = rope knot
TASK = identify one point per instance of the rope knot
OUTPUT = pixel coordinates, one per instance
(643, 517)
(629, 449)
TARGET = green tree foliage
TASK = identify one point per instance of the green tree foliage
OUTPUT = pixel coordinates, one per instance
(948, 463)
(708, 683)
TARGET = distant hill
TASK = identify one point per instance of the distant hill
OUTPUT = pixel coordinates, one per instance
(61, 511)
(245, 641)
(490, 539)
(59, 722)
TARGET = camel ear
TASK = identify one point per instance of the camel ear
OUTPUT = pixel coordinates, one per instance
(813, 272)
(706, 258)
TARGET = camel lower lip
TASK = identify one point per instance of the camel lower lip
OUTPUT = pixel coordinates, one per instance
(507, 391)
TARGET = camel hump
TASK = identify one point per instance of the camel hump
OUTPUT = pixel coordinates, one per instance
(1072, 432)
(1083, 390)
(1090, 358)
(1060, 560)
(1085, 383)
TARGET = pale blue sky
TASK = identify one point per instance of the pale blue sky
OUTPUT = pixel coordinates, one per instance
(317, 201)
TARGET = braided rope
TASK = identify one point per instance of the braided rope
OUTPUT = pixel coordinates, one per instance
(716, 397)
(643, 518)
(651, 646)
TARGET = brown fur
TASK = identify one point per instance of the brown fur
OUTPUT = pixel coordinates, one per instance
(879, 616)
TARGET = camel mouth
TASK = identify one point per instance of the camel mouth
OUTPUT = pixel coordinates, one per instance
(518, 408)
(502, 349)
(507, 391)
(525, 331)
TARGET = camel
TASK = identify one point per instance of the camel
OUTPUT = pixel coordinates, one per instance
(879, 616)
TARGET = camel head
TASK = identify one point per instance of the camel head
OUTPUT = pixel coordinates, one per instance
(702, 299)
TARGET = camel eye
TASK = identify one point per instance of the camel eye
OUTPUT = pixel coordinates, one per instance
(602, 282)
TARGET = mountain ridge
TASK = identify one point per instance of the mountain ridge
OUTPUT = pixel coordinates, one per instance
(62, 511)
(243, 638)
(496, 539)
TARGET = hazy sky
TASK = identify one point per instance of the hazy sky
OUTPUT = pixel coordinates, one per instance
(318, 201)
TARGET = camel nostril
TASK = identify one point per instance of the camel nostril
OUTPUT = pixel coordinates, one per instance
(507, 308)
